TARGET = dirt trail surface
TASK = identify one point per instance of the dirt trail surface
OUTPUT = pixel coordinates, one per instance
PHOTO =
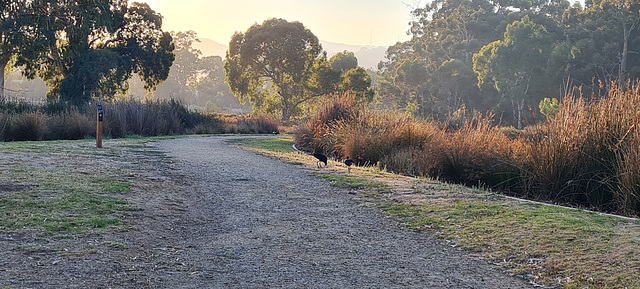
(216, 216)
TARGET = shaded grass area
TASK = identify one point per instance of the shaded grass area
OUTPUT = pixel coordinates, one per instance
(63, 187)
(548, 245)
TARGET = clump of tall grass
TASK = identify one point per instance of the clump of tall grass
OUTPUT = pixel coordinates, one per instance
(149, 118)
(479, 153)
(392, 141)
(250, 124)
(589, 154)
(70, 125)
(22, 127)
(315, 134)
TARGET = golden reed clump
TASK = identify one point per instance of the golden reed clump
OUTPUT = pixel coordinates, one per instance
(587, 155)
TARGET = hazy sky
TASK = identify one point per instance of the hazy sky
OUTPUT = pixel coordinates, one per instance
(359, 22)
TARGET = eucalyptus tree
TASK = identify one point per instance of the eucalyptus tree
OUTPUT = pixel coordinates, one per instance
(94, 47)
(604, 37)
(344, 61)
(275, 62)
(518, 64)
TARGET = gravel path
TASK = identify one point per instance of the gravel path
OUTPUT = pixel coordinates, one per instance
(263, 223)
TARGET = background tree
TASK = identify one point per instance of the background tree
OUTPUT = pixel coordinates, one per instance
(603, 38)
(275, 60)
(344, 61)
(434, 70)
(342, 74)
(16, 35)
(517, 64)
(94, 47)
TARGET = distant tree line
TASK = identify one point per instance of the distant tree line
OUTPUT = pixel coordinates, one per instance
(508, 56)
(195, 80)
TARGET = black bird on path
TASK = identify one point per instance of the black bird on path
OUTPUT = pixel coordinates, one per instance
(348, 162)
(321, 159)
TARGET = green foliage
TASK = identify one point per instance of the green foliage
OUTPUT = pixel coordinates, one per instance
(343, 61)
(358, 82)
(93, 48)
(16, 35)
(278, 66)
(513, 64)
(549, 107)
(506, 57)
(277, 54)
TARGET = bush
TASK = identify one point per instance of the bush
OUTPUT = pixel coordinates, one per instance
(314, 135)
(26, 126)
(479, 154)
(72, 125)
(253, 124)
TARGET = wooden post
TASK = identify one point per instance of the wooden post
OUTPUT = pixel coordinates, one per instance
(99, 128)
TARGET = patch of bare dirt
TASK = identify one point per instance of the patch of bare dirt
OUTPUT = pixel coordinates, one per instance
(14, 187)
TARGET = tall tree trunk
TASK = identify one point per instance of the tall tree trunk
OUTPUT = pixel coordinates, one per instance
(3, 65)
(286, 110)
(518, 108)
(622, 73)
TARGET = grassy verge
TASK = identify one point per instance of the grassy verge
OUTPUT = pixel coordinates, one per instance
(64, 187)
(277, 144)
(548, 245)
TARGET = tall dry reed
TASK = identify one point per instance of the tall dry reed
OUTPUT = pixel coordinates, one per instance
(479, 153)
(588, 155)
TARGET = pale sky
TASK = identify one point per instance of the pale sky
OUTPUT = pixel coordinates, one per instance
(355, 22)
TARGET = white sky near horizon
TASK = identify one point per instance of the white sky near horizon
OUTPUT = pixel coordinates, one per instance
(354, 22)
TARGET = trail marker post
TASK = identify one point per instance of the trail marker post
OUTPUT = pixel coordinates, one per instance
(99, 127)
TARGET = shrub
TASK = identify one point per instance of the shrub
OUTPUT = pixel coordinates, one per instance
(26, 126)
(314, 135)
(71, 125)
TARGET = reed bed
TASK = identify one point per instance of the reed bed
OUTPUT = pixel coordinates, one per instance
(55, 121)
(588, 155)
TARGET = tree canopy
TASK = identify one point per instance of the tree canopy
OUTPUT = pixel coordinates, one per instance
(507, 56)
(276, 60)
(91, 48)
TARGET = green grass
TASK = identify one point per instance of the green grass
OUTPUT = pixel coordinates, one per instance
(78, 212)
(277, 144)
(352, 182)
(113, 186)
(566, 241)
(67, 187)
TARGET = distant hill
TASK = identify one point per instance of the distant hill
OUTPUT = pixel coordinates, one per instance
(368, 56)
(209, 47)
